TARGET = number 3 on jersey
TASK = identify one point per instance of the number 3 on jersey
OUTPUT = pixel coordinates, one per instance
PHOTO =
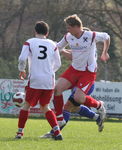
(43, 50)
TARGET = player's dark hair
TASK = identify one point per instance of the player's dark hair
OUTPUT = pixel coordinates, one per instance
(73, 20)
(41, 27)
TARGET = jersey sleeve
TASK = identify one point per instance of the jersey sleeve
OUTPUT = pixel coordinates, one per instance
(57, 60)
(24, 56)
(101, 36)
(62, 43)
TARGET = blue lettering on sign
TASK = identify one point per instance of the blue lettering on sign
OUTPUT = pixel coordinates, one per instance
(6, 96)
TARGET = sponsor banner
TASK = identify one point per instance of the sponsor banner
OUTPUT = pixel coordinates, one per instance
(7, 89)
(111, 94)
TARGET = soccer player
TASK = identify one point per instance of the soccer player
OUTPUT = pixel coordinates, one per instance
(82, 72)
(43, 60)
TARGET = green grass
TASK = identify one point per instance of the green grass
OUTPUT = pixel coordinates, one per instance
(78, 135)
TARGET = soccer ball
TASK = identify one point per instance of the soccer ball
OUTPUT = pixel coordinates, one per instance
(19, 99)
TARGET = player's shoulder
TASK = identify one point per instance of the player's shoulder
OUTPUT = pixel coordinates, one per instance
(89, 33)
(51, 42)
(67, 36)
(31, 39)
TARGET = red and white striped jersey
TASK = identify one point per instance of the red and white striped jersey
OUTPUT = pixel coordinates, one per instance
(83, 49)
(43, 61)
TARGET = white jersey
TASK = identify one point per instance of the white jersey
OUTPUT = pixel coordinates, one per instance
(83, 49)
(43, 61)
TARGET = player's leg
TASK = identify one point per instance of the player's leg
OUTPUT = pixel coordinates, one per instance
(49, 114)
(67, 79)
(78, 97)
(23, 116)
(51, 118)
(89, 101)
(84, 111)
(83, 87)
(30, 100)
(62, 84)
(67, 112)
(58, 101)
(69, 106)
(81, 110)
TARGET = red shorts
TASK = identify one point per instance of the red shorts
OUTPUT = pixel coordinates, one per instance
(81, 79)
(33, 96)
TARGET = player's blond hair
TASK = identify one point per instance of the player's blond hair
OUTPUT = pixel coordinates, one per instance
(87, 29)
(73, 20)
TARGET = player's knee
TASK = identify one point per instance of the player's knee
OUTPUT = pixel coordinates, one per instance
(45, 108)
(58, 90)
(71, 107)
(72, 100)
(74, 109)
(68, 106)
(26, 106)
(79, 98)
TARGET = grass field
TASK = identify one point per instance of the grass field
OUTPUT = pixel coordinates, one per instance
(78, 135)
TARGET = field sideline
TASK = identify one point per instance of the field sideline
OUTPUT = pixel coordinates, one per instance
(78, 135)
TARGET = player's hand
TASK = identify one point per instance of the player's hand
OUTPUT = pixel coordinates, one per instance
(67, 54)
(104, 57)
(22, 75)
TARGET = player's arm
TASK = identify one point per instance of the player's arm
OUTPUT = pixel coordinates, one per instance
(105, 56)
(22, 61)
(57, 60)
(67, 53)
(61, 46)
(62, 43)
(105, 38)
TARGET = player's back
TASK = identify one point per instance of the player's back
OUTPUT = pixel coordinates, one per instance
(41, 63)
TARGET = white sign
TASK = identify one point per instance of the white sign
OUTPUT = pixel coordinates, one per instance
(111, 94)
(7, 89)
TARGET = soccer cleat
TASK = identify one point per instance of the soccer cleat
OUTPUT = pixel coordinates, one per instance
(100, 122)
(47, 135)
(51, 133)
(19, 135)
(102, 111)
(58, 137)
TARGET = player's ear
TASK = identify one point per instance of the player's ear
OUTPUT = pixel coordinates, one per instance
(35, 33)
(47, 34)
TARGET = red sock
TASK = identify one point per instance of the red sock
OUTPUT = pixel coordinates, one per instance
(23, 116)
(51, 118)
(91, 102)
(59, 104)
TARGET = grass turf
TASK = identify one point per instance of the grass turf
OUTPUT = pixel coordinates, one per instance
(78, 135)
